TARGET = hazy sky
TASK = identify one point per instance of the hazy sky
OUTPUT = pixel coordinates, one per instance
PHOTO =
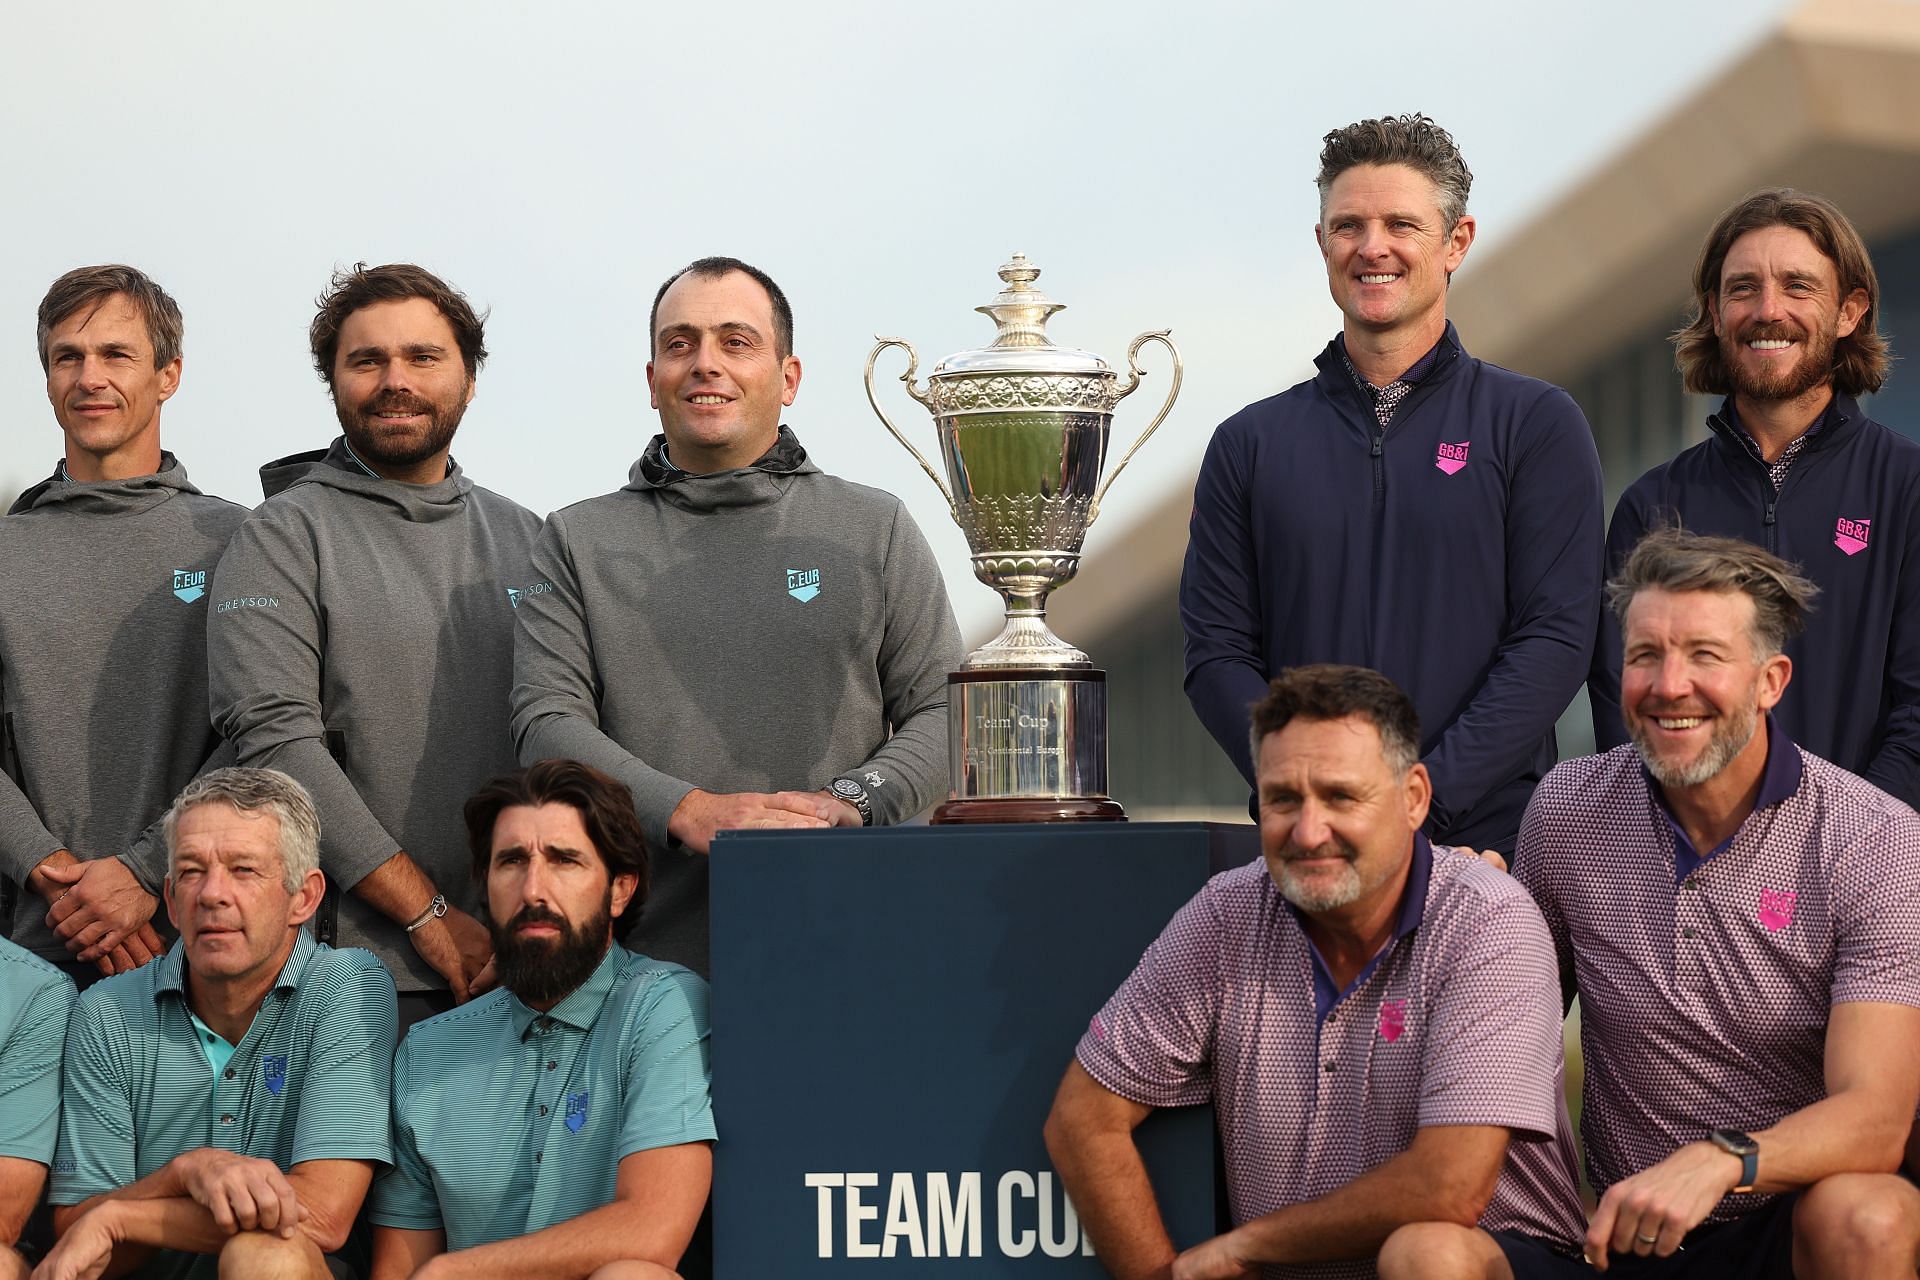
(880, 160)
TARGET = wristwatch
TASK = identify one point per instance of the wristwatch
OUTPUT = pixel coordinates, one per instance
(854, 794)
(1736, 1143)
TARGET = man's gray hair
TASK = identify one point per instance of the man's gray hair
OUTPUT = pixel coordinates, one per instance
(1415, 141)
(257, 791)
(1674, 559)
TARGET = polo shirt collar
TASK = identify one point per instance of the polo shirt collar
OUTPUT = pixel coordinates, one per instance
(1413, 910)
(1778, 781)
(172, 974)
(581, 1007)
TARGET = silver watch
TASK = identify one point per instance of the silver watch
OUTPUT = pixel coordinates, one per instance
(854, 794)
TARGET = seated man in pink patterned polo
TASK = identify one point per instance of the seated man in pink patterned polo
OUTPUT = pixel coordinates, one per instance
(1743, 922)
(1376, 1022)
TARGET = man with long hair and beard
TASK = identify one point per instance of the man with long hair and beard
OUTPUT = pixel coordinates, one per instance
(588, 1068)
(361, 634)
(1785, 326)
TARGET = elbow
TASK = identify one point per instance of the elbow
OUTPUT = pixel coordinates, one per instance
(1461, 1201)
(328, 1231)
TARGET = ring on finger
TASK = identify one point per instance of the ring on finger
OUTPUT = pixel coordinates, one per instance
(1653, 1239)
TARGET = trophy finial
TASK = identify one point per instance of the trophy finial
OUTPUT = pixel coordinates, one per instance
(1021, 310)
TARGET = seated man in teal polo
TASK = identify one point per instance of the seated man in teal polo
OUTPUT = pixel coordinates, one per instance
(557, 1126)
(35, 1000)
(226, 1107)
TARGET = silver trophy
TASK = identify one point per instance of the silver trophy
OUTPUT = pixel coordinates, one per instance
(1022, 426)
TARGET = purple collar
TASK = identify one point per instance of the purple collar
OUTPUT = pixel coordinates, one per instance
(1413, 909)
(1779, 780)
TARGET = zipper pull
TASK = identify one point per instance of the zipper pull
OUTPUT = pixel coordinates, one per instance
(1770, 507)
(1378, 441)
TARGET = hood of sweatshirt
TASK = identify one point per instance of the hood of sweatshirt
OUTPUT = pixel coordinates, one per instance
(336, 467)
(763, 480)
(108, 497)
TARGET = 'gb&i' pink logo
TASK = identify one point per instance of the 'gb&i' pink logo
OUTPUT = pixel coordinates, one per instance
(1393, 1020)
(1451, 457)
(1851, 535)
(1776, 908)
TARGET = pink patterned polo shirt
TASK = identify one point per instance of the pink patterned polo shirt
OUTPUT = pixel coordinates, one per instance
(1705, 981)
(1456, 1023)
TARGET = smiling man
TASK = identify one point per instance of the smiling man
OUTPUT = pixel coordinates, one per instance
(103, 670)
(362, 627)
(1785, 326)
(590, 1065)
(225, 1107)
(1409, 508)
(1375, 1020)
(1741, 921)
(741, 639)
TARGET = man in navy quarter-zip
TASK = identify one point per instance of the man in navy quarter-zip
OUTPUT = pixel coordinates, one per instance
(1409, 508)
(1785, 325)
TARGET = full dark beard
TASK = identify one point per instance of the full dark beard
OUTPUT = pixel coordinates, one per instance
(541, 971)
(399, 449)
(1814, 367)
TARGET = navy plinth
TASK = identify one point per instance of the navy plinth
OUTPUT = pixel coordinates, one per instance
(892, 1011)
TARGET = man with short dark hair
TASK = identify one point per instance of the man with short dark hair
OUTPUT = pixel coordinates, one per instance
(1785, 326)
(1741, 920)
(601, 1052)
(1409, 507)
(225, 1107)
(103, 669)
(740, 639)
(1375, 1020)
(362, 628)
(35, 1002)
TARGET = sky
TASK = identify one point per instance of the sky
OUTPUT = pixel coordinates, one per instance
(881, 160)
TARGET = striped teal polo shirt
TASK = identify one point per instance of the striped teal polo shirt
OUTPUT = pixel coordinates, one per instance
(507, 1120)
(309, 1080)
(35, 1002)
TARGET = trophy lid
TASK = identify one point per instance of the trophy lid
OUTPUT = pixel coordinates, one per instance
(1021, 346)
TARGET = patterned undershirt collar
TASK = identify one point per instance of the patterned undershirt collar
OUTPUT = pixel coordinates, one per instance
(1778, 468)
(1387, 399)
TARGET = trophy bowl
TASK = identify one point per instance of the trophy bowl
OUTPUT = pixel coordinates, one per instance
(1023, 428)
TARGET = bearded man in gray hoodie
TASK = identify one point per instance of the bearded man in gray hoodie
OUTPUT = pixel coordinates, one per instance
(361, 637)
(741, 639)
(103, 671)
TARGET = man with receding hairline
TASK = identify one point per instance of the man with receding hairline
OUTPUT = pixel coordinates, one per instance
(741, 639)
(1374, 1019)
(1785, 326)
(103, 671)
(1409, 508)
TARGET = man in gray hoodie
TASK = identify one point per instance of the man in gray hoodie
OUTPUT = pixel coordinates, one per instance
(361, 637)
(103, 669)
(740, 638)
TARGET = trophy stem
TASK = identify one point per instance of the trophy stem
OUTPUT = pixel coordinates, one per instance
(1026, 640)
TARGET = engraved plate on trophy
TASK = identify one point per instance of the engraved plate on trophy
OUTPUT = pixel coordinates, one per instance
(1022, 427)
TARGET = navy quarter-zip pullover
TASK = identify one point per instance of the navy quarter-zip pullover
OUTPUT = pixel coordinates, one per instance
(1846, 516)
(1457, 550)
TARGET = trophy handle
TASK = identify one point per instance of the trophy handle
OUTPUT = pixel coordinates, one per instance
(913, 363)
(1133, 381)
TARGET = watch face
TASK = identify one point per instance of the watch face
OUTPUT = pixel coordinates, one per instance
(1735, 1141)
(847, 789)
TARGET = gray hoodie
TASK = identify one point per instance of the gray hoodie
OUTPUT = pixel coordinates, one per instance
(361, 639)
(765, 629)
(103, 672)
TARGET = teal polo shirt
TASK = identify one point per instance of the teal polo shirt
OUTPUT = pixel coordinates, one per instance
(507, 1121)
(35, 1001)
(309, 1080)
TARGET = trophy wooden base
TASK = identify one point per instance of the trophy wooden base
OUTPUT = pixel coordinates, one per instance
(1029, 809)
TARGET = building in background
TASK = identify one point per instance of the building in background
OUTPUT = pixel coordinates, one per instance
(1583, 295)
